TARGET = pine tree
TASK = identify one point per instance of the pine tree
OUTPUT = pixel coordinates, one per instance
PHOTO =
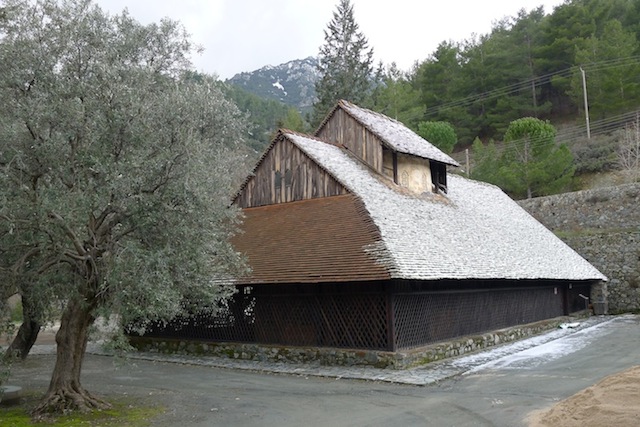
(531, 163)
(345, 63)
(612, 71)
(441, 134)
(395, 95)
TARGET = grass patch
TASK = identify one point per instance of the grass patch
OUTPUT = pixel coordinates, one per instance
(123, 413)
(16, 313)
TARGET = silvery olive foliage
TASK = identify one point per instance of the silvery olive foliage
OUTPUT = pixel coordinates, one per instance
(115, 167)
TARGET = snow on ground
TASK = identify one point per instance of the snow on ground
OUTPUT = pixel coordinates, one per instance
(537, 350)
(278, 85)
(525, 354)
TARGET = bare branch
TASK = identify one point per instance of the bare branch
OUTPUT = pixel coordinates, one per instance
(629, 150)
(32, 132)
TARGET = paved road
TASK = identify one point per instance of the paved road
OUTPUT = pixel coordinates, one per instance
(500, 390)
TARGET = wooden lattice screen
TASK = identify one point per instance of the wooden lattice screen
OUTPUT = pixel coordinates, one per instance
(375, 316)
(427, 317)
(338, 320)
(312, 315)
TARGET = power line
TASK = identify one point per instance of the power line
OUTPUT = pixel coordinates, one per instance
(525, 85)
(574, 133)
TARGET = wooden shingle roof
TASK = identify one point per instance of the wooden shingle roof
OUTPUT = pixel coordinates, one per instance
(392, 133)
(329, 239)
(476, 232)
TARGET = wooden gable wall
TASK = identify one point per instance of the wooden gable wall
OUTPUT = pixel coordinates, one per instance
(286, 174)
(345, 130)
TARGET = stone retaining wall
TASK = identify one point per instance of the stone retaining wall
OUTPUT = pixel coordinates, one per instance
(348, 357)
(602, 225)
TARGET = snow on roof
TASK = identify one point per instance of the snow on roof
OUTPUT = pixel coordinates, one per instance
(396, 135)
(476, 232)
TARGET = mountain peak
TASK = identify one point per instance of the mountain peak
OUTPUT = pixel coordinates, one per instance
(292, 83)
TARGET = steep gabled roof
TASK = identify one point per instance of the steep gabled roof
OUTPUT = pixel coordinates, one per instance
(329, 239)
(392, 133)
(281, 133)
(476, 232)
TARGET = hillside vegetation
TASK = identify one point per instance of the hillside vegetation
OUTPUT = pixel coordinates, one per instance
(530, 65)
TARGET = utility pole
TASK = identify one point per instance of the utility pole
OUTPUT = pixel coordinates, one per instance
(466, 154)
(533, 78)
(586, 103)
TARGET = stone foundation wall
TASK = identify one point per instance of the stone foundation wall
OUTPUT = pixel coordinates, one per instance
(348, 357)
(602, 225)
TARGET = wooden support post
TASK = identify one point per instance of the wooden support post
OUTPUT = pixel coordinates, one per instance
(391, 321)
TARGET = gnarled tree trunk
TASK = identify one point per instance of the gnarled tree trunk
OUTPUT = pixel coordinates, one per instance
(27, 333)
(65, 392)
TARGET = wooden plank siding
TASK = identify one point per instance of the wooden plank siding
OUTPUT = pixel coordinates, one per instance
(345, 130)
(286, 174)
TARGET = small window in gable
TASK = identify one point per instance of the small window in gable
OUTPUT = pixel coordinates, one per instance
(288, 178)
(438, 177)
(277, 178)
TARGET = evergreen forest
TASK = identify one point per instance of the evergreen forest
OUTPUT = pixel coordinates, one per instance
(529, 65)
(536, 64)
(533, 65)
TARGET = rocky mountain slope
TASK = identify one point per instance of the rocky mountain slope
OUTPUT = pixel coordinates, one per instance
(292, 83)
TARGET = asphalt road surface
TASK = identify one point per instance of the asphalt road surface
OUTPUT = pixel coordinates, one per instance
(501, 392)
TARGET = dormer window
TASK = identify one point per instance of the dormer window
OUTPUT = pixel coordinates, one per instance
(388, 147)
(438, 176)
(417, 174)
(390, 164)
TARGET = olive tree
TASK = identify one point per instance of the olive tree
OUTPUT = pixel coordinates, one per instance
(115, 173)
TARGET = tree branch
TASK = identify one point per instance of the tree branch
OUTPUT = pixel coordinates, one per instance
(23, 260)
(103, 215)
(32, 132)
(47, 265)
(69, 232)
(76, 257)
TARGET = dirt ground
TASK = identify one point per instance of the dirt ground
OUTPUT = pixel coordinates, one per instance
(614, 401)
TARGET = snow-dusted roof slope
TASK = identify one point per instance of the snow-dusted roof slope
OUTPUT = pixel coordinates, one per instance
(396, 135)
(475, 232)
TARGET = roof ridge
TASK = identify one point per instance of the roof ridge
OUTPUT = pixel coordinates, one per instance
(327, 117)
(347, 105)
(314, 137)
(383, 116)
(433, 152)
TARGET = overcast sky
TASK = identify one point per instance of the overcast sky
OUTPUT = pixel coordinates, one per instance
(244, 35)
